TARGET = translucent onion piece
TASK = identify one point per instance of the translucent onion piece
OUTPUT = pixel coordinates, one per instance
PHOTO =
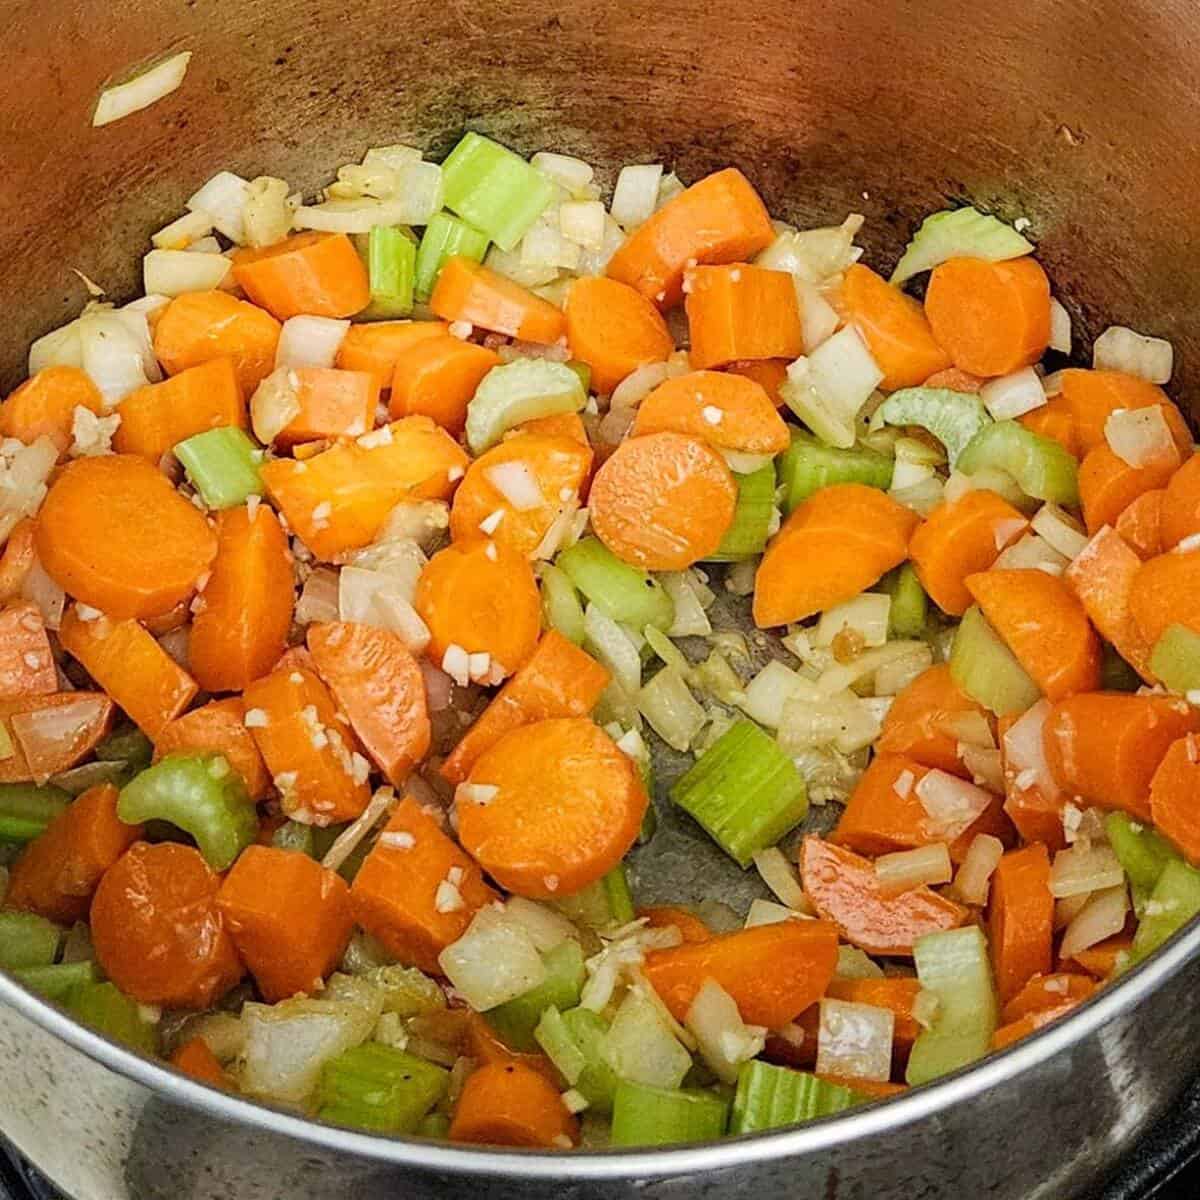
(1121, 349)
(143, 90)
(1011, 396)
(724, 1039)
(973, 880)
(310, 342)
(494, 961)
(1026, 755)
(223, 198)
(546, 927)
(780, 876)
(1058, 528)
(1084, 867)
(952, 804)
(866, 615)
(854, 963)
(635, 196)
(174, 272)
(855, 1040)
(1060, 328)
(1140, 436)
(318, 598)
(517, 484)
(907, 869)
(1102, 917)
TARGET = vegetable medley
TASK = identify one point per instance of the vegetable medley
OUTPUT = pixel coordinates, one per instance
(350, 577)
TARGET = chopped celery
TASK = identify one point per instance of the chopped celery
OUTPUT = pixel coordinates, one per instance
(769, 1097)
(561, 609)
(747, 535)
(520, 391)
(1116, 675)
(292, 835)
(494, 189)
(1041, 467)
(27, 940)
(56, 982)
(435, 1125)
(670, 709)
(744, 791)
(954, 966)
(622, 592)
(222, 465)
(378, 1087)
(1176, 658)
(445, 237)
(516, 1020)
(808, 465)
(909, 611)
(605, 904)
(583, 371)
(1143, 852)
(987, 670)
(620, 898)
(652, 1116)
(640, 1047)
(132, 748)
(954, 418)
(200, 794)
(107, 1010)
(574, 1042)
(955, 233)
(560, 1047)
(391, 265)
(26, 810)
(1173, 903)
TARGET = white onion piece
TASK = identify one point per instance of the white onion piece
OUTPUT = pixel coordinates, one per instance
(60, 347)
(986, 766)
(671, 710)
(395, 156)
(1084, 868)
(517, 483)
(45, 593)
(351, 837)
(1060, 530)
(508, 263)
(274, 405)
(582, 222)
(310, 342)
(971, 728)
(895, 675)
(546, 927)
(818, 318)
(595, 262)
(724, 1039)
(1121, 349)
(1031, 552)
(635, 196)
(866, 615)
(638, 384)
(183, 231)
(396, 614)
(143, 90)
(1102, 917)
(568, 172)
(780, 876)
(1052, 384)
(223, 198)
(1140, 436)
(1060, 328)
(613, 646)
(1025, 752)
(907, 869)
(420, 521)
(545, 246)
(351, 216)
(989, 479)
(844, 721)
(952, 804)
(1068, 908)
(769, 691)
(840, 676)
(174, 272)
(268, 212)
(113, 354)
(855, 1040)
(973, 880)
(1012, 396)
(690, 618)
(853, 963)
(495, 960)
(767, 912)
(813, 254)
(922, 497)
(318, 598)
(833, 383)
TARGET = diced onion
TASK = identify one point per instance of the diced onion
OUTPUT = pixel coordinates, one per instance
(1060, 328)
(174, 272)
(495, 960)
(571, 173)
(395, 156)
(844, 675)
(907, 869)
(989, 479)
(614, 648)
(1121, 349)
(318, 598)
(1060, 530)
(582, 222)
(546, 927)
(853, 963)
(767, 912)
(1026, 754)
(969, 727)
(508, 263)
(223, 198)
(45, 593)
(1052, 384)
(724, 1039)
(635, 196)
(183, 231)
(843, 720)
(779, 875)
(1012, 396)
(349, 839)
(690, 618)
(143, 90)
(114, 353)
(1068, 908)
(1084, 868)
(1140, 437)
(921, 497)
(1031, 552)
(595, 262)
(952, 804)
(672, 711)
(351, 216)
(517, 484)
(770, 690)
(973, 880)
(818, 318)
(59, 348)
(897, 673)
(985, 766)
(420, 521)
(1102, 917)
(310, 342)
(866, 615)
(545, 246)
(835, 381)
(268, 212)
(855, 1040)
(813, 254)
(274, 405)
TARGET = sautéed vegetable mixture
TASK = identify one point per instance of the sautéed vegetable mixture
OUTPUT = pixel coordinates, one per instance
(351, 575)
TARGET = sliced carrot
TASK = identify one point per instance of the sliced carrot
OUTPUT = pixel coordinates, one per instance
(1101, 960)
(131, 667)
(158, 933)
(154, 419)
(194, 1058)
(727, 411)
(994, 821)
(959, 538)
(114, 533)
(1055, 420)
(664, 916)
(468, 291)
(884, 812)
(289, 918)
(769, 373)
(953, 379)
(1020, 918)
(375, 346)
(394, 892)
(1179, 512)
(990, 317)
(897, 995)
(558, 468)
(614, 329)
(483, 1045)
(379, 686)
(1046, 991)
(844, 888)
(1140, 523)
(1044, 625)
(1173, 792)
(1014, 1031)
(895, 328)
(437, 377)
(58, 872)
(741, 312)
(1093, 396)
(568, 805)
(26, 660)
(245, 611)
(772, 972)
(220, 727)
(334, 403)
(720, 219)
(1166, 592)
(50, 734)
(510, 1104)
(200, 326)
(921, 721)
(839, 542)
(308, 747)
(559, 680)
(1105, 747)
(1108, 484)
(315, 274)
(44, 406)
(565, 425)
(17, 558)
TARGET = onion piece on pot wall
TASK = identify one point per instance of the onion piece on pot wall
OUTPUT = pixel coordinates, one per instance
(1119, 348)
(144, 89)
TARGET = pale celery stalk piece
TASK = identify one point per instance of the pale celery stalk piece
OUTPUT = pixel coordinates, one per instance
(959, 233)
(828, 389)
(954, 418)
(520, 391)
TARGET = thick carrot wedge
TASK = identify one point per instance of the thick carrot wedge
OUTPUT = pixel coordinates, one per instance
(131, 667)
(1179, 512)
(1093, 396)
(45, 405)
(883, 812)
(17, 558)
(720, 219)
(334, 403)
(959, 538)
(741, 312)
(895, 328)
(844, 889)
(510, 1104)
(1140, 523)
(375, 346)
(897, 995)
(1014, 1031)
(245, 610)
(318, 274)
(1166, 592)
(1105, 747)
(1108, 485)
(566, 425)
(468, 291)
(218, 727)
(1044, 625)
(614, 329)
(1173, 792)
(483, 1045)
(1055, 420)
(26, 661)
(196, 1059)
(1044, 992)
(1020, 918)
(1101, 960)
(437, 377)
(663, 916)
(52, 733)
(769, 373)
(923, 720)
(773, 972)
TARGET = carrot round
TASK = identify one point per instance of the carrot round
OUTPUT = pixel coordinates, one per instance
(884, 812)
(219, 727)
(839, 542)
(245, 610)
(921, 721)
(1055, 420)
(1020, 918)
(436, 377)
(115, 534)
(1106, 746)
(741, 312)
(1173, 792)
(727, 411)
(467, 291)
(1179, 510)
(157, 930)
(664, 916)
(769, 373)
(196, 1059)
(1166, 591)
(614, 329)
(663, 501)
(316, 274)
(375, 346)
(1044, 992)
(17, 558)
(1108, 484)
(990, 317)
(954, 379)
(773, 972)
(482, 598)
(1044, 625)
(1093, 396)
(959, 538)
(510, 1104)
(895, 328)
(45, 406)
(1140, 523)
(568, 805)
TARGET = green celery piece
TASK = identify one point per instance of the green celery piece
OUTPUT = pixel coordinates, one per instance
(1041, 467)
(619, 895)
(909, 612)
(987, 670)
(744, 790)
(494, 189)
(1116, 675)
(560, 1047)
(378, 1087)
(26, 810)
(622, 592)
(391, 266)
(435, 1125)
(954, 418)
(597, 1082)
(651, 1116)
(808, 465)
(445, 237)
(518, 391)
(132, 748)
(747, 535)
(516, 1019)
(58, 981)
(639, 1046)
(27, 940)
(583, 371)
(954, 965)
(561, 609)
(107, 1010)
(292, 835)
(1174, 901)
(770, 1097)
(1175, 658)
(1142, 851)
(222, 465)
(200, 794)
(959, 233)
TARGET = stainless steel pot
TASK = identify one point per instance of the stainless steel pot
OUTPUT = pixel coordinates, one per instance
(1080, 116)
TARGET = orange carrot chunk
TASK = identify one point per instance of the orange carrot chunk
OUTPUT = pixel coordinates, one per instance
(1020, 918)
(436, 378)
(510, 1104)
(1014, 1031)
(1140, 523)
(1055, 420)
(315, 274)
(614, 329)
(664, 916)
(1093, 396)
(17, 558)
(769, 373)
(376, 346)
(49, 734)
(1101, 960)
(1108, 484)
(44, 406)
(218, 727)
(953, 379)
(334, 403)
(1044, 992)
(925, 719)
(468, 291)
(1166, 591)
(1173, 792)
(741, 312)
(26, 660)
(1180, 505)
(884, 812)
(196, 1059)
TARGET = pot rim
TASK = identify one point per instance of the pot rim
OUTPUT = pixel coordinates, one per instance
(841, 1130)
